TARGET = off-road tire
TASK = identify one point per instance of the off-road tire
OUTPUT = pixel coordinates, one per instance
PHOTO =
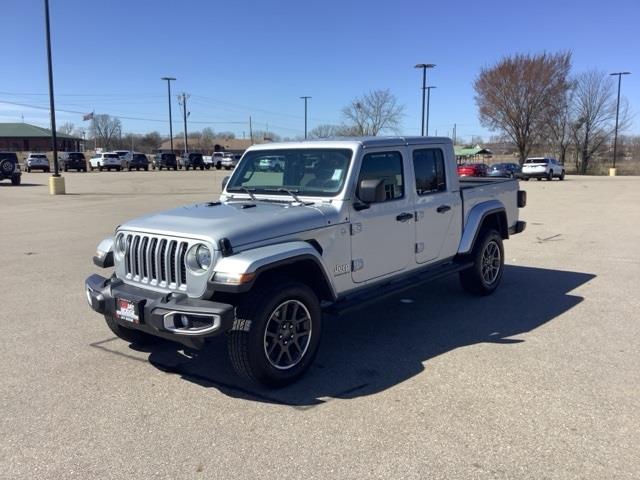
(130, 335)
(15, 180)
(472, 279)
(246, 340)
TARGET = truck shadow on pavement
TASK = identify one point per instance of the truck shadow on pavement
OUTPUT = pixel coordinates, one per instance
(386, 343)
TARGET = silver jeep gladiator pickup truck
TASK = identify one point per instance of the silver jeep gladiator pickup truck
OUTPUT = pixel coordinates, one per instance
(300, 229)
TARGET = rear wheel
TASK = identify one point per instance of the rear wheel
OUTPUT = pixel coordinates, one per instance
(488, 264)
(276, 334)
(130, 335)
(146, 169)
(562, 175)
(550, 175)
(99, 167)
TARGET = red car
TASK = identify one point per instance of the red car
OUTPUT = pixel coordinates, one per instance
(472, 170)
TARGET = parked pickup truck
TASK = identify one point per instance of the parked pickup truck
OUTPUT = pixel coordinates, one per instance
(342, 223)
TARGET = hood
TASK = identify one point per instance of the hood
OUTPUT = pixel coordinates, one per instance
(241, 222)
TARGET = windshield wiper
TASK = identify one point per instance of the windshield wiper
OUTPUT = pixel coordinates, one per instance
(286, 190)
(249, 191)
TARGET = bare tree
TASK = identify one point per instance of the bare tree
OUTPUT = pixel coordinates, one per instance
(593, 115)
(374, 112)
(517, 95)
(106, 130)
(328, 130)
(559, 125)
(150, 142)
(66, 128)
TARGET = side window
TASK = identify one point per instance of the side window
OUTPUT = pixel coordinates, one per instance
(386, 165)
(428, 165)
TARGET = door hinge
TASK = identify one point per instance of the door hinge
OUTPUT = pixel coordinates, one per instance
(356, 228)
(419, 247)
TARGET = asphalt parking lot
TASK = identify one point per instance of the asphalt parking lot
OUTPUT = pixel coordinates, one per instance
(539, 381)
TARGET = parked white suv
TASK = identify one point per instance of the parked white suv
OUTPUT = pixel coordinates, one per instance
(37, 161)
(108, 160)
(539, 168)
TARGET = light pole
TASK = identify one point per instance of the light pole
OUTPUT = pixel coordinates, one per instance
(56, 182)
(169, 80)
(424, 67)
(428, 101)
(615, 136)
(305, 98)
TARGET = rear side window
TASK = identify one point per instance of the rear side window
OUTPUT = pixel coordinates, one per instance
(429, 167)
(386, 165)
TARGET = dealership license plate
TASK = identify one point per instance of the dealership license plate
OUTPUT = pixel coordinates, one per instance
(127, 310)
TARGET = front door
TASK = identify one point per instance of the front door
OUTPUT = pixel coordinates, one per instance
(438, 209)
(382, 235)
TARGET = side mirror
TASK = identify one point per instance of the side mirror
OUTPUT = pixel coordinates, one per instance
(372, 191)
(225, 180)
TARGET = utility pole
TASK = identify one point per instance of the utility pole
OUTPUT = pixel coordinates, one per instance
(169, 80)
(305, 98)
(182, 100)
(428, 101)
(454, 134)
(615, 137)
(250, 130)
(424, 67)
(56, 184)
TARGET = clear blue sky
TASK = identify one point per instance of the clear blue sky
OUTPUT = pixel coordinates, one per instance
(256, 57)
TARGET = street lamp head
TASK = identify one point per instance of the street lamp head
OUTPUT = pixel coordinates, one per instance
(167, 78)
(621, 73)
(425, 65)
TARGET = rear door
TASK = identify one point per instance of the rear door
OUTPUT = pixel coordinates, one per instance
(437, 207)
(382, 235)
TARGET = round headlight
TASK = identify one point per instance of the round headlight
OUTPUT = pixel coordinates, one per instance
(203, 257)
(121, 243)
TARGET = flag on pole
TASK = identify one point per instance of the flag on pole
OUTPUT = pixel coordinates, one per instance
(88, 116)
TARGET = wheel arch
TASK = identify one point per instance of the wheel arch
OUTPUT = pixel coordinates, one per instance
(490, 214)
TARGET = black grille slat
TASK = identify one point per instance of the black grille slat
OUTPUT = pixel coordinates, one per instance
(163, 271)
(145, 257)
(136, 257)
(172, 260)
(152, 258)
(181, 263)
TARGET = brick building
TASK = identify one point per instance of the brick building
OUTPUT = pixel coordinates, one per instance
(24, 137)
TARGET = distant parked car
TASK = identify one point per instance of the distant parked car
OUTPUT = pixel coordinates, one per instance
(542, 167)
(122, 154)
(506, 170)
(10, 168)
(72, 161)
(106, 160)
(472, 170)
(136, 160)
(37, 161)
(229, 160)
(164, 160)
(191, 160)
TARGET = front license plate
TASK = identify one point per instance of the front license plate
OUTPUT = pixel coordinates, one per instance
(127, 310)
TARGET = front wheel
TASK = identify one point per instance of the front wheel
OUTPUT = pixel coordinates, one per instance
(488, 264)
(550, 175)
(128, 334)
(276, 334)
(562, 175)
(15, 180)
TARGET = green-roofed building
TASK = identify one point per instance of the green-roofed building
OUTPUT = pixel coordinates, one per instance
(30, 138)
(472, 153)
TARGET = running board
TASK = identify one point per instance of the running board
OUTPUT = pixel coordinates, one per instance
(384, 290)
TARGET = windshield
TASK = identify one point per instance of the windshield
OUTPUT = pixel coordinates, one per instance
(169, 156)
(313, 172)
(76, 156)
(38, 156)
(537, 160)
(111, 155)
(139, 156)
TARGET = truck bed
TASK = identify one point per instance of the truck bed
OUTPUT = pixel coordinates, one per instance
(475, 190)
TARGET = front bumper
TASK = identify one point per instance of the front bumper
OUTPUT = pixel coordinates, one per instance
(173, 316)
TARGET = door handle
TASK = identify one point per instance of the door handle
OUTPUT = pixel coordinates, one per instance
(403, 217)
(443, 208)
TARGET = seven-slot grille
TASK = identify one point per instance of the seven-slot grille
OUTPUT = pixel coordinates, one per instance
(156, 260)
